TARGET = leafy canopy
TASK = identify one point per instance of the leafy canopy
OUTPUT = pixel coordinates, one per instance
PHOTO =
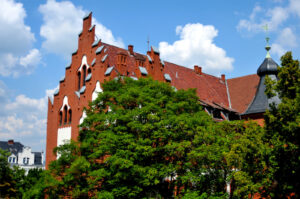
(143, 139)
(283, 128)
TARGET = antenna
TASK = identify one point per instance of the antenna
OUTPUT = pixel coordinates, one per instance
(148, 41)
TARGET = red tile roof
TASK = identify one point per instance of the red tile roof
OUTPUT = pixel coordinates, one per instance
(242, 91)
(210, 89)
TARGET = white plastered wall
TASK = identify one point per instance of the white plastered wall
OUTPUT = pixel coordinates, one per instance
(26, 153)
(82, 117)
(96, 91)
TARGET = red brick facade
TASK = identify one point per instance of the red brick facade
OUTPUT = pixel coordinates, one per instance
(95, 61)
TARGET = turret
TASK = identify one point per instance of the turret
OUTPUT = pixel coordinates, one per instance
(261, 102)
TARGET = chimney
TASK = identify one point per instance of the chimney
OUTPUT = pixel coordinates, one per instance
(198, 70)
(10, 142)
(130, 49)
(223, 77)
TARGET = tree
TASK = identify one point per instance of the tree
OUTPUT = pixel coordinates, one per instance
(135, 142)
(7, 183)
(144, 139)
(282, 128)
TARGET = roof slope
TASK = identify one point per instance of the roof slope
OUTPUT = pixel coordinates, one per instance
(209, 88)
(242, 91)
(261, 102)
(14, 148)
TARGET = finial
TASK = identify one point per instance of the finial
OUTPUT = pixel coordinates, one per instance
(268, 47)
(148, 41)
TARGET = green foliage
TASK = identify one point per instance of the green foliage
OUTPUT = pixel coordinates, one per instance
(13, 181)
(282, 128)
(7, 183)
(143, 139)
(247, 158)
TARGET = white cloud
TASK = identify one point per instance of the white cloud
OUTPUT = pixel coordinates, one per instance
(16, 40)
(106, 35)
(277, 49)
(285, 41)
(295, 7)
(31, 59)
(274, 18)
(23, 118)
(277, 20)
(196, 47)
(62, 24)
(15, 66)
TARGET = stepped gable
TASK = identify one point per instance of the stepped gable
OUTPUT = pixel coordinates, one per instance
(242, 90)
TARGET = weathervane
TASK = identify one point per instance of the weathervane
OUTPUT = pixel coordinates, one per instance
(266, 28)
(148, 42)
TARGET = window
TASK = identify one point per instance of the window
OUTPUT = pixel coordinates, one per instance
(70, 116)
(65, 115)
(79, 80)
(9, 159)
(60, 118)
(13, 160)
(25, 160)
(84, 74)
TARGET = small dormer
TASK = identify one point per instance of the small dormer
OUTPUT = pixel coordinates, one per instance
(121, 62)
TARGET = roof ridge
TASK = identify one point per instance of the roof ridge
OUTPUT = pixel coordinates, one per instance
(241, 76)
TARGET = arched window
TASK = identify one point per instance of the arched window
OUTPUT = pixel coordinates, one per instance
(70, 116)
(60, 118)
(79, 80)
(84, 74)
(65, 114)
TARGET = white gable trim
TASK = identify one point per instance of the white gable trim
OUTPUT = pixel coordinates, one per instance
(65, 102)
(83, 62)
(97, 90)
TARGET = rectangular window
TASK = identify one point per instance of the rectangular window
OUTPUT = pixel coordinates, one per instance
(9, 159)
(14, 159)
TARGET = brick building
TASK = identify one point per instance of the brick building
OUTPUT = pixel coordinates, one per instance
(95, 61)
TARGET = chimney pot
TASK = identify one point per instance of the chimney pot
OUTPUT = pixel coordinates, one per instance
(130, 49)
(223, 77)
(200, 70)
(196, 69)
(10, 142)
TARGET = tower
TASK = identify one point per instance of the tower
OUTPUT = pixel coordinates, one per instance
(261, 102)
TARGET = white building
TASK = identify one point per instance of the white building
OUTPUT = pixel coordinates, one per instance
(22, 156)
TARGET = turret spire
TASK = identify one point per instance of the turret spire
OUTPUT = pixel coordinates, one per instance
(268, 47)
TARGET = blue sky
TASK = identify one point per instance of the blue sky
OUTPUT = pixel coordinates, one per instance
(38, 37)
